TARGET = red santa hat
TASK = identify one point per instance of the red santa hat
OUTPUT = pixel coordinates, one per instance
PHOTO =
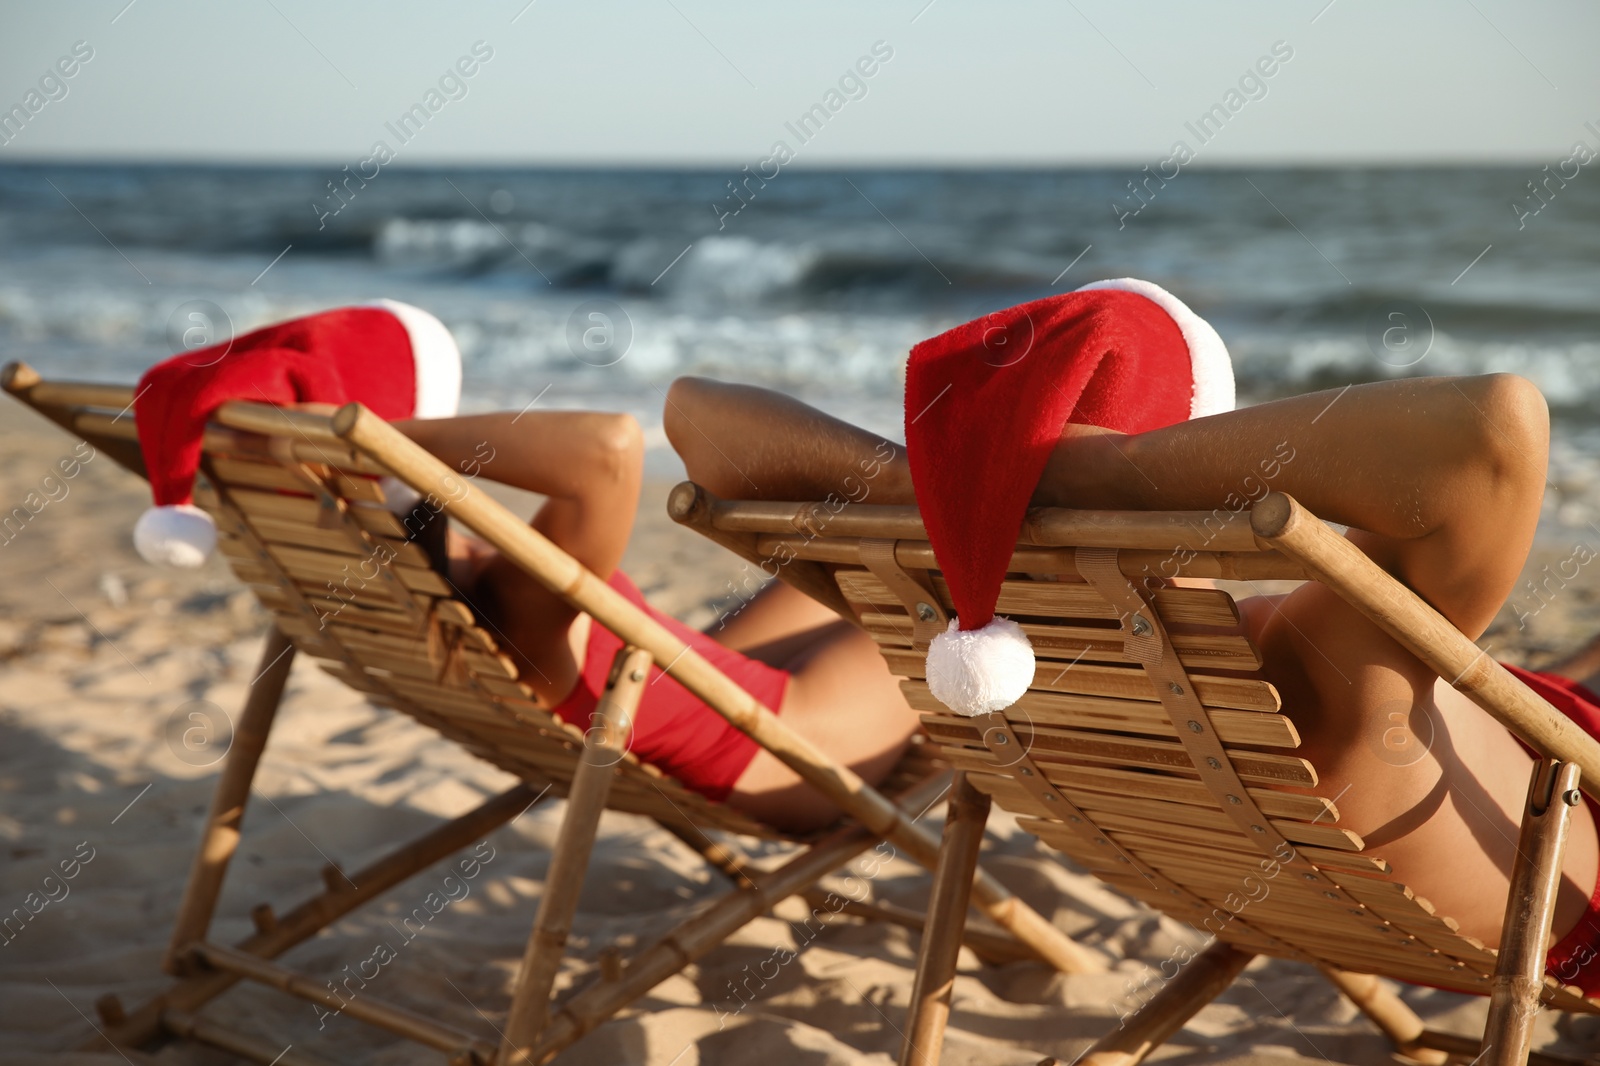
(398, 360)
(985, 405)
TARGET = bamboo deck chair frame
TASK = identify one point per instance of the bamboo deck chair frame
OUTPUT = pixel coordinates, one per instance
(1176, 785)
(296, 498)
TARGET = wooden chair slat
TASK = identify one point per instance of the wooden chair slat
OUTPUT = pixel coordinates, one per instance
(1058, 758)
(1136, 812)
(248, 474)
(1178, 858)
(1054, 748)
(331, 599)
(353, 571)
(1059, 767)
(1010, 794)
(372, 616)
(1223, 834)
(1098, 679)
(1137, 563)
(303, 509)
(1092, 784)
(357, 636)
(1056, 599)
(500, 707)
(1251, 728)
(1054, 526)
(1075, 643)
(331, 540)
(402, 666)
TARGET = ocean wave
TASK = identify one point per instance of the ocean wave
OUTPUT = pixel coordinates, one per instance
(1356, 308)
(823, 284)
(732, 269)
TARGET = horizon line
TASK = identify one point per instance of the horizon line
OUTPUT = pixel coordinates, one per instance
(722, 165)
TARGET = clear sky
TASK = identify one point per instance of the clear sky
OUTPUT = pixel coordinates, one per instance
(681, 82)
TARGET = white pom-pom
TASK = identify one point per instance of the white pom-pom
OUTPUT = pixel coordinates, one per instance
(182, 536)
(976, 671)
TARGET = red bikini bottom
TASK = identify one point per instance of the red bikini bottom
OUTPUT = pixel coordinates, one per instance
(672, 729)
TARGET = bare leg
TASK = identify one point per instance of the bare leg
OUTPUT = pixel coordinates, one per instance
(770, 622)
(842, 698)
(747, 443)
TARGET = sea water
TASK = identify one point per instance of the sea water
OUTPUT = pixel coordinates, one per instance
(595, 288)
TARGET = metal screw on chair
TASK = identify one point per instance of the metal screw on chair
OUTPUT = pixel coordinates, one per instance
(1331, 895)
(1141, 626)
(637, 675)
(1572, 796)
(1002, 739)
(926, 612)
(1074, 819)
(1235, 800)
(1026, 772)
(1051, 798)
(1196, 727)
(1258, 829)
(1309, 877)
(1214, 764)
(1177, 689)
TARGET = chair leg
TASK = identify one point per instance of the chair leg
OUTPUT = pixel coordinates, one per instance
(947, 917)
(1388, 1012)
(221, 836)
(1519, 970)
(591, 786)
(1202, 979)
(712, 925)
(188, 994)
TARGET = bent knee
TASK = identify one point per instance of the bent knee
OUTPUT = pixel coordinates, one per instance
(685, 396)
(1516, 424)
(618, 441)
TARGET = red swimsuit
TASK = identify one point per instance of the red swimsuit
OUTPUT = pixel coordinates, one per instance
(673, 729)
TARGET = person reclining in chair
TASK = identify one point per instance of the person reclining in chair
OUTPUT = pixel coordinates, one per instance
(1440, 481)
(820, 673)
(798, 658)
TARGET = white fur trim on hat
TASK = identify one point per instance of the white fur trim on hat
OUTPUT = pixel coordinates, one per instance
(181, 536)
(436, 357)
(1208, 356)
(976, 671)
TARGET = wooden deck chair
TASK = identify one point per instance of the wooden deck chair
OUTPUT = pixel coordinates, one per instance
(300, 519)
(1177, 785)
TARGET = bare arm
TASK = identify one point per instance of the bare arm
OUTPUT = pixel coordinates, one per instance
(1441, 477)
(746, 443)
(1444, 475)
(589, 464)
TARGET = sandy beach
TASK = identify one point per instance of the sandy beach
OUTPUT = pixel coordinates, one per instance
(103, 660)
